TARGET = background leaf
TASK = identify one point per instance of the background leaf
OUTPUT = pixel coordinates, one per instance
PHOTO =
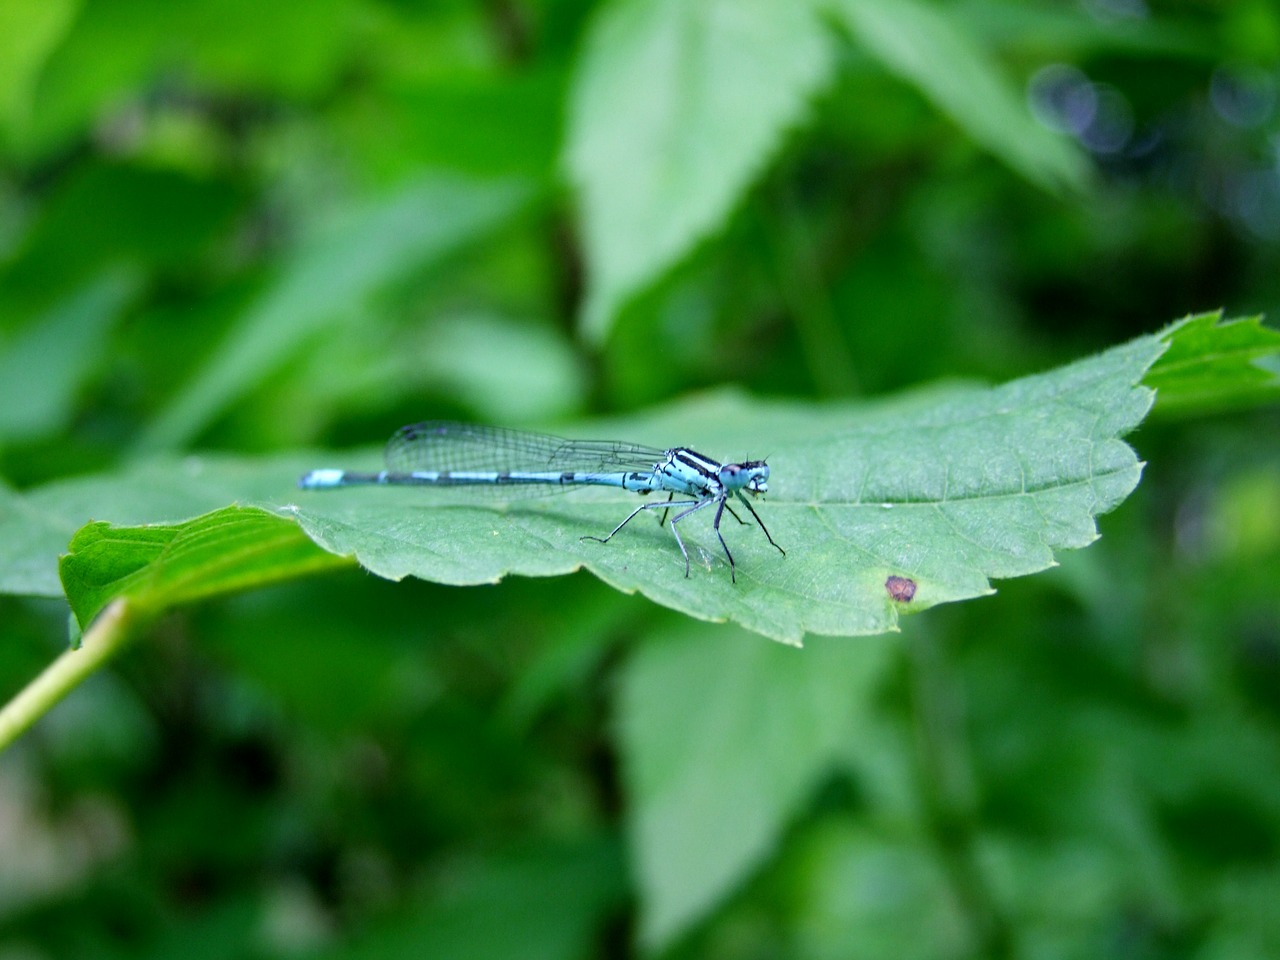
(541, 920)
(333, 276)
(660, 161)
(39, 377)
(929, 48)
(705, 815)
(33, 537)
(29, 30)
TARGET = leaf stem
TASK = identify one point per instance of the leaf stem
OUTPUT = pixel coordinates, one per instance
(109, 632)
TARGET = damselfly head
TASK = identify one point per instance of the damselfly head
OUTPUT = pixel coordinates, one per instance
(751, 475)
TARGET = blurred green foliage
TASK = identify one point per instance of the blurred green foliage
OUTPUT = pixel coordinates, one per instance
(262, 227)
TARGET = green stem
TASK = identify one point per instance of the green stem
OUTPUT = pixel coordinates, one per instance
(109, 632)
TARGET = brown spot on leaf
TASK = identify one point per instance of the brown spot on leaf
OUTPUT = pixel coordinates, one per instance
(902, 589)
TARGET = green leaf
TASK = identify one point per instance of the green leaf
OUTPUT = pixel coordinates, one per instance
(104, 216)
(676, 108)
(929, 48)
(418, 225)
(29, 30)
(703, 811)
(506, 371)
(883, 509)
(40, 374)
(165, 565)
(543, 903)
(883, 886)
(36, 525)
(31, 537)
(295, 48)
(504, 124)
(1212, 365)
(502, 368)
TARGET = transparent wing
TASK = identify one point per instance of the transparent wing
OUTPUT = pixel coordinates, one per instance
(445, 445)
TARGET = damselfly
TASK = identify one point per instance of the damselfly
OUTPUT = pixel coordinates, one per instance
(444, 454)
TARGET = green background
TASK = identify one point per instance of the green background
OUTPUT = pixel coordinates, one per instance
(270, 230)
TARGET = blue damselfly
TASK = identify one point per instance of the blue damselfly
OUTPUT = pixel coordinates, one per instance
(445, 454)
